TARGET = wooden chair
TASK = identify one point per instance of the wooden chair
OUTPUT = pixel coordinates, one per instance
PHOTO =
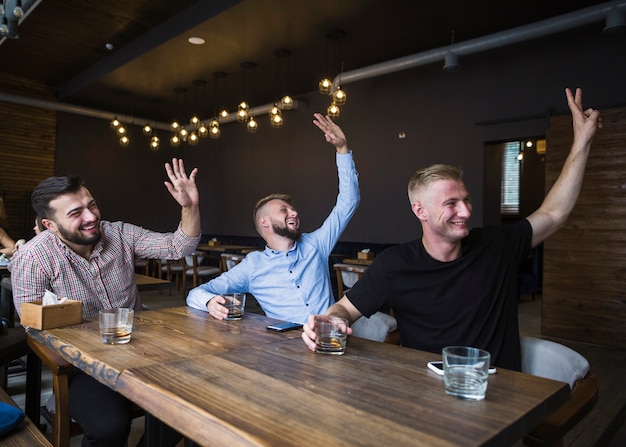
(62, 426)
(347, 275)
(197, 271)
(142, 265)
(229, 260)
(378, 327)
(552, 360)
(171, 269)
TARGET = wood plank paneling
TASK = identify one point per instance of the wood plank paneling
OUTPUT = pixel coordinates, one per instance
(27, 153)
(584, 289)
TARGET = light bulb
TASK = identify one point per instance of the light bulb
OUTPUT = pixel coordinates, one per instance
(147, 130)
(252, 125)
(214, 123)
(183, 133)
(214, 132)
(203, 131)
(339, 97)
(154, 143)
(124, 141)
(175, 126)
(242, 115)
(194, 120)
(325, 85)
(243, 106)
(115, 123)
(274, 110)
(18, 12)
(287, 102)
(276, 120)
(333, 110)
(4, 28)
(121, 130)
(193, 139)
(224, 115)
(174, 141)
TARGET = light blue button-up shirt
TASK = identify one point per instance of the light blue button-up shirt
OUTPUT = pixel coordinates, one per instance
(291, 285)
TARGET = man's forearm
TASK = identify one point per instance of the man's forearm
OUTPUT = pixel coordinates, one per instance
(190, 221)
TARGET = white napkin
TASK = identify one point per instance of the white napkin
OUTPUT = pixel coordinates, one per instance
(365, 250)
(50, 298)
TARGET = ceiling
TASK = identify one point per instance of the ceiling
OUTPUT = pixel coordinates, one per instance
(63, 44)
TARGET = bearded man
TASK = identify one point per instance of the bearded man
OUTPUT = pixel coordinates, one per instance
(290, 278)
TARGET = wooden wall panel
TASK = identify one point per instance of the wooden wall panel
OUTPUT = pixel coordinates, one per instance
(27, 153)
(584, 289)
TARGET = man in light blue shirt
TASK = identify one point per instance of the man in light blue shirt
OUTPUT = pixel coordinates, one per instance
(290, 278)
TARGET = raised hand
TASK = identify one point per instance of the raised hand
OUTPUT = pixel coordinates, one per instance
(182, 187)
(332, 132)
(586, 122)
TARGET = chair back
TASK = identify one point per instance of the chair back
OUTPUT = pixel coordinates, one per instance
(347, 276)
(229, 260)
(545, 358)
(552, 360)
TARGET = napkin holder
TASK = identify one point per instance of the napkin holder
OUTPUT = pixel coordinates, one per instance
(36, 316)
(368, 256)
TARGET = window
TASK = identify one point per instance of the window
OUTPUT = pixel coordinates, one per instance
(510, 188)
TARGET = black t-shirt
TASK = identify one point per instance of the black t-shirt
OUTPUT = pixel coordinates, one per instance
(471, 301)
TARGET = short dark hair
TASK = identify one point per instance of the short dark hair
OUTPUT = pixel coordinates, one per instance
(262, 202)
(50, 189)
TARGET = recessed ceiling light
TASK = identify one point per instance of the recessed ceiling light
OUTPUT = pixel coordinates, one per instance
(196, 40)
(109, 46)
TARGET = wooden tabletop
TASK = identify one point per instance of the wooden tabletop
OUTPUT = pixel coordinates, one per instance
(226, 248)
(358, 261)
(234, 383)
(145, 282)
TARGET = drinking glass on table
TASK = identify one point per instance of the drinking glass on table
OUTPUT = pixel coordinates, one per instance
(330, 334)
(116, 325)
(465, 371)
(236, 304)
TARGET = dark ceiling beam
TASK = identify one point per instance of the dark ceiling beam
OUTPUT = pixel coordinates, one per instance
(196, 14)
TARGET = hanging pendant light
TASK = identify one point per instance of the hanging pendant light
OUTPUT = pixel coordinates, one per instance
(339, 97)
(203, 132)
(124, 141)
(18, 12)
(175, 140)
(183, 133)
(242, 108)
(276, 121)
(286, 102)
(242, 111)
(333, 38)
(121, 130)
(175, 126)
(115, 123)
(154, 143)
(193, 138)
(214, 131)
(147, 130)
(252, 126)
(333, 110)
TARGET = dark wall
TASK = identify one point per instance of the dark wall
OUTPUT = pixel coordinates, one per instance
(445, 117)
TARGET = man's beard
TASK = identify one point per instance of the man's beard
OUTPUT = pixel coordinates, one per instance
(294, 235)
(77, 238)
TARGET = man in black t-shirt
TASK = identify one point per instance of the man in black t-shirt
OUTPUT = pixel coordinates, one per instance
(457, 286)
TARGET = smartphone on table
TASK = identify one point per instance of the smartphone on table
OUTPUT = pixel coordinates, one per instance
(283, 327)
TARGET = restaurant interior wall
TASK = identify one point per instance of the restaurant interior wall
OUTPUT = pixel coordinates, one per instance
(438, 113)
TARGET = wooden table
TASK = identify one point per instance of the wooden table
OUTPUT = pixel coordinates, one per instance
(145, 283)
(358, 261)
(226, 248)
(234, 383)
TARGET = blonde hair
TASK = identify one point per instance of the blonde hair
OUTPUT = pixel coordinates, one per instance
(429, 175)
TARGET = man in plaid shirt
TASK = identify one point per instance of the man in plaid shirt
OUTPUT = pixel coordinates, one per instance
(84, 258)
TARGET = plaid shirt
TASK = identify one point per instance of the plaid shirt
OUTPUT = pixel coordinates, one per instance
(105, 280)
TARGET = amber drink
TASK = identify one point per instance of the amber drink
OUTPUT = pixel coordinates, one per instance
(116, 325)
(331, 334)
